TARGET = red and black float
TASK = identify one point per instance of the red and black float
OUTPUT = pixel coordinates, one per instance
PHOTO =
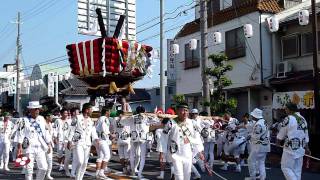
(107, 64)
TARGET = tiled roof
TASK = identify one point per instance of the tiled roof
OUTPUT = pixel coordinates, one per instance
(73, 86)
(140, 95)
(242, 8)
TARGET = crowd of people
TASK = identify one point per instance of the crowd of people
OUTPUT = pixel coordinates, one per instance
(185, 140)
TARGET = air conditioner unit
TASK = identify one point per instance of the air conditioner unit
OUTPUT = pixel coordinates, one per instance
(283, 68)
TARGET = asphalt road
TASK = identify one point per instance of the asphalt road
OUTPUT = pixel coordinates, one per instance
(152, 169)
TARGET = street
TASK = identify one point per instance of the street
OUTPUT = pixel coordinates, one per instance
(151, 171)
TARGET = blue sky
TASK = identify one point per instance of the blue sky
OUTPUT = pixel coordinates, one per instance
(49, 25)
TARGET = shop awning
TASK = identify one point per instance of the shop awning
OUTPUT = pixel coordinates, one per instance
(304, 99)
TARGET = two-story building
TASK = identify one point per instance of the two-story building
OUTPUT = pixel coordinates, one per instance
(292, 57)
(250, 57)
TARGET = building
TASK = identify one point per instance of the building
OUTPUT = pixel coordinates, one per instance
(250, 57)
(292, 56)
(8, 79)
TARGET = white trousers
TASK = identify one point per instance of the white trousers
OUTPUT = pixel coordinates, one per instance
(81, 153)
(67, 159)
(256, 163)
(138, 153)
(49, 162)
(209, 152)
(182, 167)
(291, 167)
(4, 153)
(123, 151)
(41, 164)
(104, 152)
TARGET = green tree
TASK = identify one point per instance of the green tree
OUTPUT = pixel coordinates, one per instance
(179, 98)
(220, 105)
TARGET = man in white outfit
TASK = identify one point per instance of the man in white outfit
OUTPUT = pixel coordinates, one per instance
(294, 133)
(82, 135)
(233, 144)
(48, 117)
(139, 129)
(260, 146)
(122, 136)
(62, 127)
(35, 140)
(6, 127)
(103, 131)
(183, 143)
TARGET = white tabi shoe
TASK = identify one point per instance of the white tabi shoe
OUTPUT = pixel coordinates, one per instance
(224, 167)
(238, 168)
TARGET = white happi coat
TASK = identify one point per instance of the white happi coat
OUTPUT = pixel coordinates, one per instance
(82, 135)
(207, 132)
(295, 133)
(260, 137)
(6, 132)
(103, 128)
(34, 139)
(121, 131)
(139, 127)
(62, 129)
(183, 141)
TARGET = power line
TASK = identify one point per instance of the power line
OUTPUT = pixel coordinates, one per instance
(167, 13)
(40, 10)
(166, 19)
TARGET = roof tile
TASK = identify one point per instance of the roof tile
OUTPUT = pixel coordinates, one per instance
(242, 8)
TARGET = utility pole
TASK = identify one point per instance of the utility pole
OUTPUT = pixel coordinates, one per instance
(127, 20)
(18, 65)
(204, 54)
(162, 85)
(315, 64)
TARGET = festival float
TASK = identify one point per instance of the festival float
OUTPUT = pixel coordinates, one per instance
(109, 65)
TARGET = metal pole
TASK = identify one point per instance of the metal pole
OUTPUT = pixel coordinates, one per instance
(315, 64)
(162, 85)
(127, 19)
(108, 18)
(204, 53)
(18, 67)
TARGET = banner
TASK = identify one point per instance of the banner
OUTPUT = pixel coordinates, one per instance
(171, 65)
(303, 99)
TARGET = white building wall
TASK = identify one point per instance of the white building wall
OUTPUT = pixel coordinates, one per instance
(243, 73)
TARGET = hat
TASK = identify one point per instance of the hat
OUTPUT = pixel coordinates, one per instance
(257, 113)
(183, 105)
(194, 111)
(140, 109)
(291, 106)
(34, 105)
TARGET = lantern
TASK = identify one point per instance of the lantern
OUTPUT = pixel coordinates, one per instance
(248, 30)
(36, 82)
(25, 84)
(28, 83)
(175, 48)
(217, 38)
(60, 77)
(40, 82)
(32, 83)
(19, 85)
(193, 44)
(273, 23)
(304, 17)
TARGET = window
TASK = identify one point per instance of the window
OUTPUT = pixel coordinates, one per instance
(192, 57)
(306, 44)
(213, 6)
(170, 90)
(290, 46)
(157, 92)
(235, 43)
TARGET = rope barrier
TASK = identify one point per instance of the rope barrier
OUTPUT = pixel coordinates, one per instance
(309, 156)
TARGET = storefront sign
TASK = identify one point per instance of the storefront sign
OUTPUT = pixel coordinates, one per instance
(304, 99)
